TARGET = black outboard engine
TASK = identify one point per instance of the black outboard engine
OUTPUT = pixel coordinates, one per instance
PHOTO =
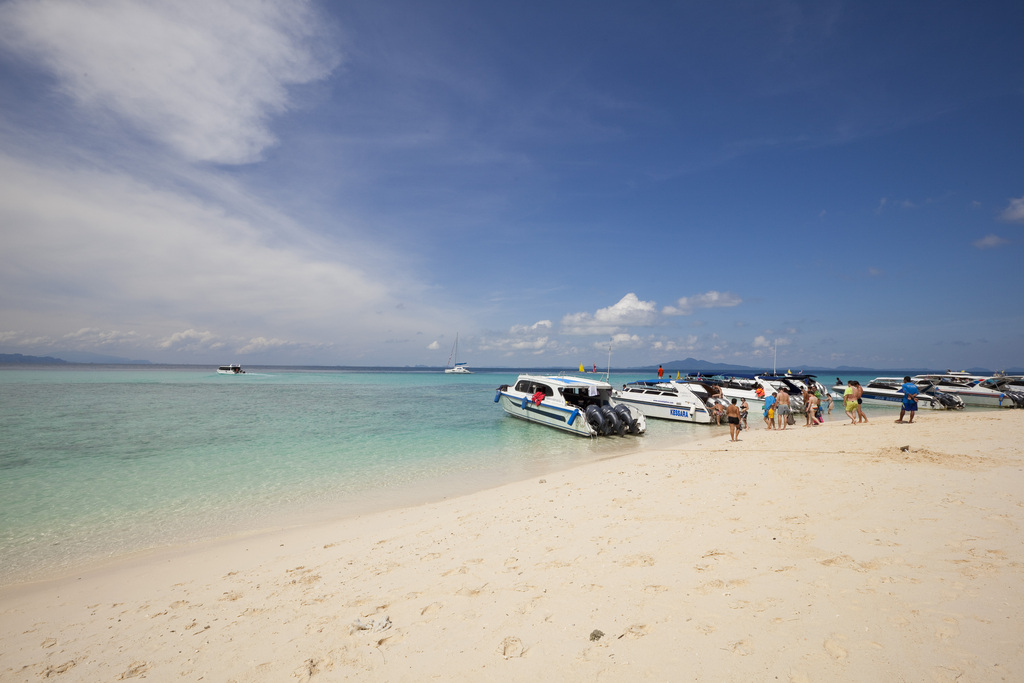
(627, 418)
(595, 418)
(615, 425)
(1017, 397)
(947, 400)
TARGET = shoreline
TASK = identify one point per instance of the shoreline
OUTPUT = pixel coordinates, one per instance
(367, 502)
(805, 554)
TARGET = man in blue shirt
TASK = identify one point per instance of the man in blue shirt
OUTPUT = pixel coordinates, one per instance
(910, 392)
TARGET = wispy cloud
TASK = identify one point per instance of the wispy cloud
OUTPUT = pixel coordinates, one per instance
(1014, 213)
(990, 242)
(91, 250)
(200, 77)
(687, 304)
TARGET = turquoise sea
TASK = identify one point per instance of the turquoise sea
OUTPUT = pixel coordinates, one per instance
(102, 461)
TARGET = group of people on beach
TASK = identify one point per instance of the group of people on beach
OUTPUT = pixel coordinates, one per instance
(778, 411)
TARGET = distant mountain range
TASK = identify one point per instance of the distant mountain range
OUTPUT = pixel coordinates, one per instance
(686, 365)
(709, 367)
(68, 357)
(18, 359)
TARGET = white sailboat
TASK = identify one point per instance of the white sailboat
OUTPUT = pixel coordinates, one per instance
(457, 368)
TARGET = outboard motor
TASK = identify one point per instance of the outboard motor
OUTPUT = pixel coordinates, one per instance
(627, 418)
(1016, 396)
(612, 419)
(947, 400)
(595, 418)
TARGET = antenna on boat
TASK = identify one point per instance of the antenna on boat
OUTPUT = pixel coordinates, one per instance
(608, 374)
(776, 358)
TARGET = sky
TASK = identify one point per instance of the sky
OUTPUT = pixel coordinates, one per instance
(817, 183)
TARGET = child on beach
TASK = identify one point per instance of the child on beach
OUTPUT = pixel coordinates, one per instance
(769, 411)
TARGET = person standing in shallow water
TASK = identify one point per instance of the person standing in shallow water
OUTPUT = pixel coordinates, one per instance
(661, 372)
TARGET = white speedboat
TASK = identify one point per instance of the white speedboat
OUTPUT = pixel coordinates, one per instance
(889, 391)
(733, 387)
(573, 404)
(458, 368)
(977, 390)
(230, 370)
(794, 384)
(664, 399)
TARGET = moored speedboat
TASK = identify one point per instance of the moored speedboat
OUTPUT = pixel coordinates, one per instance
(794, 384)
(579, 405)
(663, 399)
(230, 370)
(889, 391)
(977, 390)
(733, 387)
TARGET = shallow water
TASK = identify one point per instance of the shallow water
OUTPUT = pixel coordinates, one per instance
(102, 461)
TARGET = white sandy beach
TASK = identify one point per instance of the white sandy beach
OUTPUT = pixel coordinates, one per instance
(815, 554)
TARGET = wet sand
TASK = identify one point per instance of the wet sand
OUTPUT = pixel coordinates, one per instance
(872, 552)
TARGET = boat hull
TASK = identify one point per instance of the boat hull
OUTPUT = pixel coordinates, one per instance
(981, 400)
(564, 418)
(666, 409)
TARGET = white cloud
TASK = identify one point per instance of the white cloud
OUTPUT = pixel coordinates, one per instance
(1014, 213)
(629, 310)
(191, 340)
(434, 346)
(201, 77)
(686, 305)
(990, 242)
(84, 249)
(260, 344)
(527, 329)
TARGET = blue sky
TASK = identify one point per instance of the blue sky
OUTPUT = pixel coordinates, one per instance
(353, 183)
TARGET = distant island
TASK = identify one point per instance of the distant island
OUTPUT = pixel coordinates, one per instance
(77, 357)
(708, 367)
(18, 359)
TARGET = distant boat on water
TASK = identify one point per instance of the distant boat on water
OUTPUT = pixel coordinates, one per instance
(230, 370)
(457, 368)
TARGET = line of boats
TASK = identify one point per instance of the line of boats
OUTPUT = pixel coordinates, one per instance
(592, 407)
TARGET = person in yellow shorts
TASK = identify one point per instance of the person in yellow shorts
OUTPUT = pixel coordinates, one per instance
(850, 401)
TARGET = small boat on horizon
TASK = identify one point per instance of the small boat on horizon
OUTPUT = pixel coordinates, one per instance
(230, 370)
(457, 368)
(579, 405)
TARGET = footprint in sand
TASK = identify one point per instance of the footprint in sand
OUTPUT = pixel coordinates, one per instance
(511, 647)
(432, 607)
(834, 649)
(636, 631)
(948, 629)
